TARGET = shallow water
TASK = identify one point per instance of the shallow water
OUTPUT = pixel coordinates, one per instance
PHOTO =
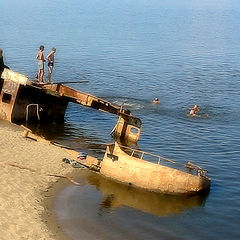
(103, 209)
(184, 53)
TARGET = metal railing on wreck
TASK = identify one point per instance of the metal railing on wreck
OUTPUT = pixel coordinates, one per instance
(188, 167)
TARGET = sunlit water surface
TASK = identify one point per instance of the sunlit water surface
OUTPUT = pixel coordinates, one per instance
(183, 52)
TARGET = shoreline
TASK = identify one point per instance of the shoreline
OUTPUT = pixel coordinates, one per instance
(27, 191)
(48, 216)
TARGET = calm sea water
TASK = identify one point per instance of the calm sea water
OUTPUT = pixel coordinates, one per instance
(183, 52)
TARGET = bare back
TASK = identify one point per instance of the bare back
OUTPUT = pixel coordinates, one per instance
(50, 56)
(40, 56)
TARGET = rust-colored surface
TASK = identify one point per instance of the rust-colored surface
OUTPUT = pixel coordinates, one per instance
(128, 128)
(120, 166)
(82, 98)
(8, 96)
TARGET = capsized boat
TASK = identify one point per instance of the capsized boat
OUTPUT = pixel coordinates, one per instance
(136, 168)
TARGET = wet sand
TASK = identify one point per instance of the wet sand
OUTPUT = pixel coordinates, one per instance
(27, 192)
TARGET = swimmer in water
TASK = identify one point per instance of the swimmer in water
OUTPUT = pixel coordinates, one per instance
(194, 110)
(155, 100)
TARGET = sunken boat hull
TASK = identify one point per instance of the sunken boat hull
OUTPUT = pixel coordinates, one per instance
(127, 166)
(119, 165)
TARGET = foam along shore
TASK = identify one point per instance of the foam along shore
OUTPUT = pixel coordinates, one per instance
(25, 185)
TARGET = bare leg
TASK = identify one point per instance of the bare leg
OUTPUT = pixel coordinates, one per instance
(50, 69)
(40, 75)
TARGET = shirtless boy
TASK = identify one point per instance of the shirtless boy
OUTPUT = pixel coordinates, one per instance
(41, 61)
(50, 58)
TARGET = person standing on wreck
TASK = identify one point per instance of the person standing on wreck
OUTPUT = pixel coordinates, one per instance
(50, 58)
(41, 61)
(2, 65)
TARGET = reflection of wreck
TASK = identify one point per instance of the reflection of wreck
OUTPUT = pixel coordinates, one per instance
(117, 195)
(24, 100)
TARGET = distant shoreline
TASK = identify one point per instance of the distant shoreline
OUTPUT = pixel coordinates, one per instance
(27, 194)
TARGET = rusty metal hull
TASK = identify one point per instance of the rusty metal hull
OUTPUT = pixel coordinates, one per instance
(120, 166)
(32, 101)
(20, 103)
(8, 95)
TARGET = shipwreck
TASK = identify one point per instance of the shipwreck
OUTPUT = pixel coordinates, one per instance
(23, 100)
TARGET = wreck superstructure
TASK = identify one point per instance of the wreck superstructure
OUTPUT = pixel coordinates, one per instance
(24, 100)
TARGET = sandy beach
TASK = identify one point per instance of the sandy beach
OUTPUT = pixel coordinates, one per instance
(26, 190)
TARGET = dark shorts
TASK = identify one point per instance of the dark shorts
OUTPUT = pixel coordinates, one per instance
(50, 64)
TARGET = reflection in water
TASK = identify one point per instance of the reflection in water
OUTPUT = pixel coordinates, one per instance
(103, 209)
(117, 195)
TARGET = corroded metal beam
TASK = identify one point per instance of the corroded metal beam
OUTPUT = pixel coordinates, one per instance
(82, 98)
(128, 126)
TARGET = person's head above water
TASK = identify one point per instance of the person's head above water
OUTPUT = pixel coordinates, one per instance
(155, 100)
(196, 107)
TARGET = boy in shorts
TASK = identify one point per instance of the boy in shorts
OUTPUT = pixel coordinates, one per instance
(41, 61)
(50, 58)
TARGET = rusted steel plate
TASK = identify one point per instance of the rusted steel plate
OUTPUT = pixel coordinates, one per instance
(7, 99)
